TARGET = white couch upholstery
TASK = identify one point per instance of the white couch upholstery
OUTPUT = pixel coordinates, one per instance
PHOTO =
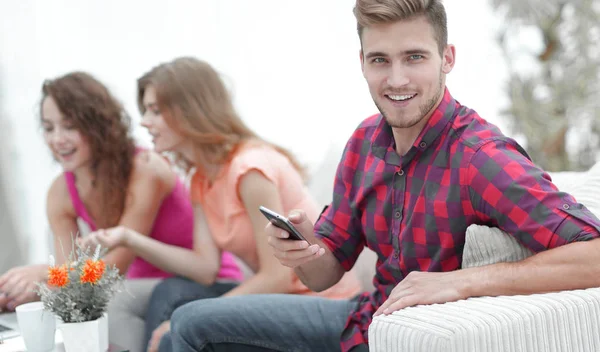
(566, 321)
(554, 322)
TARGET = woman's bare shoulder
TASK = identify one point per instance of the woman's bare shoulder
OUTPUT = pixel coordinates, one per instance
(151, 167)
(58, 198)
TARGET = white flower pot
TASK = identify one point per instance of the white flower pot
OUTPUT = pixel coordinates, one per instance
(88, 336)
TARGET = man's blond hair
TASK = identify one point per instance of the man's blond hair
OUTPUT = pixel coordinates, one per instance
(373, 12)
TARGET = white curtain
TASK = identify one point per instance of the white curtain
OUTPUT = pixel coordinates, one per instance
(11, 240)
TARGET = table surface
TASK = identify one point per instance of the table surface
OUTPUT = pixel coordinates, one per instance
(16, 344)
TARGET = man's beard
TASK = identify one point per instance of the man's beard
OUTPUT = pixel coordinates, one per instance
(424, 109)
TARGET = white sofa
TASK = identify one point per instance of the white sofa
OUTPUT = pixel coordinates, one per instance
(563, 321)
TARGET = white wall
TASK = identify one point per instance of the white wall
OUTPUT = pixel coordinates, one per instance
(292, 65)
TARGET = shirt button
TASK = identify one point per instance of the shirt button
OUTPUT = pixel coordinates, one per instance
(395, 255)
(422, 144)
(398, 215)
(400, 173)
(566, 206)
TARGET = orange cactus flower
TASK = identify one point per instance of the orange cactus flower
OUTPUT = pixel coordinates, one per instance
(58, 276)
(92, 271)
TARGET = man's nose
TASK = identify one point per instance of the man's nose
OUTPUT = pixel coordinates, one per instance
(398, 76)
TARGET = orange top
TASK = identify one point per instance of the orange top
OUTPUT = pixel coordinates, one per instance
(228, 219)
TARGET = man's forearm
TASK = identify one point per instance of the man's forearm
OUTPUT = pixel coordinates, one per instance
(569, 267)
(321, 273)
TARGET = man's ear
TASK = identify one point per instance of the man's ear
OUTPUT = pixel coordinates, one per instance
(448, 58)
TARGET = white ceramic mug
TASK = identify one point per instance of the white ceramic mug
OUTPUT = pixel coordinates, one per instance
(37, 327)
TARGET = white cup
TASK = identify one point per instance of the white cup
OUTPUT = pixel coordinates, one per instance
(37, 327)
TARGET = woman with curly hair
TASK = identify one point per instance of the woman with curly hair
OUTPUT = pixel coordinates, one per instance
(109, 183)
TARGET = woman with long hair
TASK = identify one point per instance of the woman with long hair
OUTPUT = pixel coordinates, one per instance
(108, 182)
(189, 112)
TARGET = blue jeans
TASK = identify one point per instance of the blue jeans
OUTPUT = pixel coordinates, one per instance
(174, 292)
(269, 322)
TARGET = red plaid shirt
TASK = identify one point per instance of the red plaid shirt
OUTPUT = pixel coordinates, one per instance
(413, 210)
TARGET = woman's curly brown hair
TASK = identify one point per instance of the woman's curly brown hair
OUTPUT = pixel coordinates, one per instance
(88, 105)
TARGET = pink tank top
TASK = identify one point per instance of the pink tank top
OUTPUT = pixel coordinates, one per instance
(174, 225)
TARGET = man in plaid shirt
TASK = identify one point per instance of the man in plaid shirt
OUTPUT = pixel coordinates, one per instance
(415, 176)
(411, 180)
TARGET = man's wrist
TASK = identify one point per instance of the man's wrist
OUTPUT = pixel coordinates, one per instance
(486, 280)
(474, 282)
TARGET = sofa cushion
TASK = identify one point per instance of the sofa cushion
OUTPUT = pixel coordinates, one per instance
(488, 245)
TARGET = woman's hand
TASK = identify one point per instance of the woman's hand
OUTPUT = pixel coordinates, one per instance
(157, 335)
(17, 285)
(107, 238)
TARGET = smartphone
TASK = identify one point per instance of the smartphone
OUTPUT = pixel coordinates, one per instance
(283, 223)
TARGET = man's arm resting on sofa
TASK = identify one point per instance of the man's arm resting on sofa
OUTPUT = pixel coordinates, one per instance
(569, 267)
(572, 266)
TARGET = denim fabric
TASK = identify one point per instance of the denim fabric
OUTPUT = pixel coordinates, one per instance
(174, 292)
(269, 322)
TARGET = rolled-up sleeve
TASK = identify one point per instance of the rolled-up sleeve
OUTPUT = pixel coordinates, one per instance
(509, 191)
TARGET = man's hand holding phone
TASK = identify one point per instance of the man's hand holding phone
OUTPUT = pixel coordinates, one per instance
(290, 251)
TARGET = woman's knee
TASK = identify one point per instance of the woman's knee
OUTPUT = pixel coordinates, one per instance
(171, 294)
(176, 289)
(167, 294)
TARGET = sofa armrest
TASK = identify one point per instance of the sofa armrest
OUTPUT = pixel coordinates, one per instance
(565, 321)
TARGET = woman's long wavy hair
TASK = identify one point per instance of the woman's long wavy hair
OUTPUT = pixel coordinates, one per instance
(196, 104)
(89, 106)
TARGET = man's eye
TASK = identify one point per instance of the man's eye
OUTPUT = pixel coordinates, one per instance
(378, 60)
(416, 57)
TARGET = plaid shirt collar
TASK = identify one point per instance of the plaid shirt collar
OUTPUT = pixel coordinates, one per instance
(383, 146)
